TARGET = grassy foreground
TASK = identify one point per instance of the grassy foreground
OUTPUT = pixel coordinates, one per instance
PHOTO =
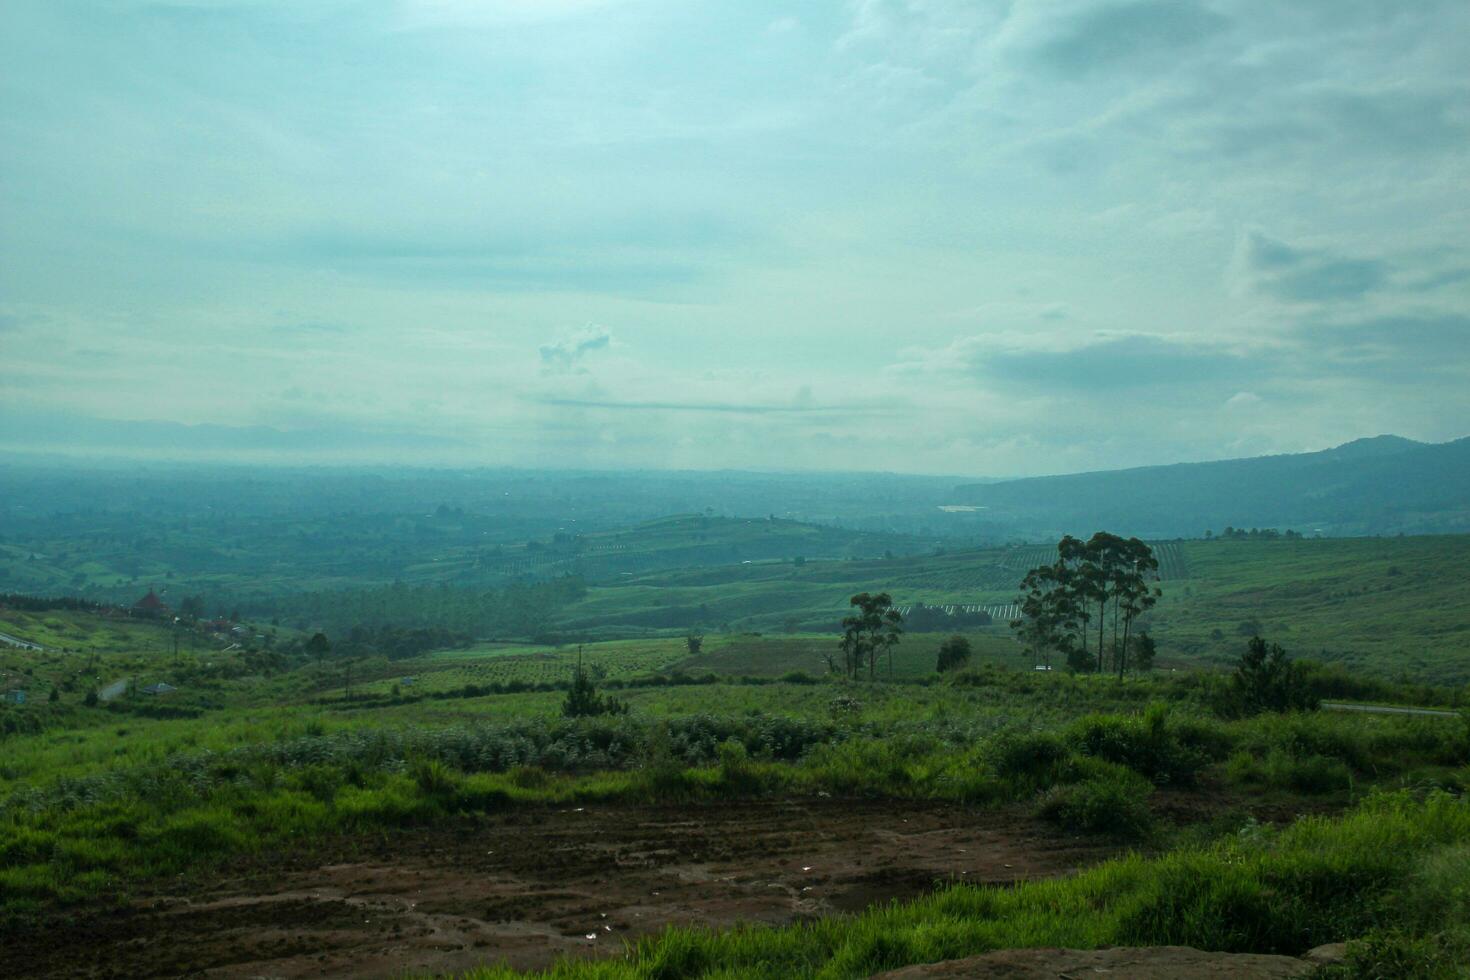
(1396, 870)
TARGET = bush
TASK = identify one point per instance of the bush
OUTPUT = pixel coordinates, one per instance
(1149, 745)
(1037, 757)
(434, 778)
(954, 653)
(1314, 774)
(1108, 800)
(1266, 679)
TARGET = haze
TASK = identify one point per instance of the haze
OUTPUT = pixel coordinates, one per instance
(923, 236)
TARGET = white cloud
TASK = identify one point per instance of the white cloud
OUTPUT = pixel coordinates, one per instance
(567, 353)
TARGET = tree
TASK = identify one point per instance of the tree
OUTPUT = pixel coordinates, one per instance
(1089, 580)
(1132, 594)
(1048, 613)
(582, 699)
(318, 646)
(1266, 679)
(875, 629)
(694, 642)
(954, 653)
(1143, 652)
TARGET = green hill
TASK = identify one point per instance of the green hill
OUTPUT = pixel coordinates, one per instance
(1388, 606)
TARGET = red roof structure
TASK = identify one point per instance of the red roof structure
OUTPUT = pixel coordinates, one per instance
(150, 603)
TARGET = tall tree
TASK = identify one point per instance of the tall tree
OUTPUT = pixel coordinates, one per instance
(1049, 613)
(1132, 590)
(874, 629)
(1090, 580)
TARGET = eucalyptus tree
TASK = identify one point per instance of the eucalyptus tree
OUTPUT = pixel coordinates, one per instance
(1059, 602)
(874, 629)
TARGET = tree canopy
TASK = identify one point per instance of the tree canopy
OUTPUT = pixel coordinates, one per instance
(1102, 583)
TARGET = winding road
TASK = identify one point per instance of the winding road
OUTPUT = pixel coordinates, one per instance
(16, 641)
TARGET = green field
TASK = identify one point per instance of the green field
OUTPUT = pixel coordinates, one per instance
(1395, 607)
(266, 751)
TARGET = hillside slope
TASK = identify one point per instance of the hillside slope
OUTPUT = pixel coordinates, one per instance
(1384, 485)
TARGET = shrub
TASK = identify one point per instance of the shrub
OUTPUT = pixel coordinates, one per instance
(954, 653)
(1037, 758)
(1281, 770)
(1266, 679)
(1150, 745)
(434, 778)
(1108, 800)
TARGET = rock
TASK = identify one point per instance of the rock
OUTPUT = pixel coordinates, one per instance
(1326, 955)
(1121, 962)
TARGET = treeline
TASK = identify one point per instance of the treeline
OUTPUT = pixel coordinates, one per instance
(937, 619)
(396, 643)
(1254, 534)
(524, 610)
(33, 603)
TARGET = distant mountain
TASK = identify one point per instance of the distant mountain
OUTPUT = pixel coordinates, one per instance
(1383, 485)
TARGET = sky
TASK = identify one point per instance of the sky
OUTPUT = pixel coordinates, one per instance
(945, 236)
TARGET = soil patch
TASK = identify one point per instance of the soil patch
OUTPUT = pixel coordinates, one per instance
(529, 885)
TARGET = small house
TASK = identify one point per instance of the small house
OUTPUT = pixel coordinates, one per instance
(159, 688)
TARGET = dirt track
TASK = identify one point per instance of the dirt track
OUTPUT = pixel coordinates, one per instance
(527, 886)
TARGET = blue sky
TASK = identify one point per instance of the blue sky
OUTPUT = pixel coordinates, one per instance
(916, 235)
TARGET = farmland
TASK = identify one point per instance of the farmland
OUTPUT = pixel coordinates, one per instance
(1386, 606)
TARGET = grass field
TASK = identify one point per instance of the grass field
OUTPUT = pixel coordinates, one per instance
(265, 759)
(1395, 607)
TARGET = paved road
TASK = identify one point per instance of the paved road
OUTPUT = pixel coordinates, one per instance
(16, 641)
(1378, 709)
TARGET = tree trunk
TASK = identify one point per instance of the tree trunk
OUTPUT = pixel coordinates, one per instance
(1102, 625)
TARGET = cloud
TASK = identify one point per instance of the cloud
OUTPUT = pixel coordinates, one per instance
(1103, 36)
(1309, 275)
(567, 353)
(746, 408)
(1401, 347)
(1104, 365)
(1242, 400)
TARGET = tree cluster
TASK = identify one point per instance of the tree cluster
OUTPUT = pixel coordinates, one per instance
(1094, 588)
(869, 633)
(934, 619)
(1254, 534)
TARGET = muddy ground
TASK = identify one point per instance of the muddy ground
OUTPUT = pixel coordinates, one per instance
(527, 886)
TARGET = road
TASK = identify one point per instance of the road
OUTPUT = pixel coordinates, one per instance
(1379, 709)
(16, 641)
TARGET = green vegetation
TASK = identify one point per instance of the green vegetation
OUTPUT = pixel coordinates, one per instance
(148, 748)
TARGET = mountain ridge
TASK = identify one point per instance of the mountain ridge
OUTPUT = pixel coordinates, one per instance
(1380, 484)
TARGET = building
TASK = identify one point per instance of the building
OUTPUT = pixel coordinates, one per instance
(151, 606)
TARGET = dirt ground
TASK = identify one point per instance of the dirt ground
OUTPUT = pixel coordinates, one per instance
(527, 886)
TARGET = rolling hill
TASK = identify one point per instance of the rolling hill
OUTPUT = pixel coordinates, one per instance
(1382, 485)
